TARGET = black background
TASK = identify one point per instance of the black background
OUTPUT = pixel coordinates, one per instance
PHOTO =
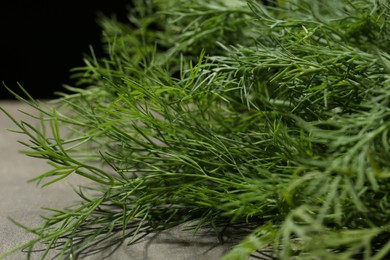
(40, 41)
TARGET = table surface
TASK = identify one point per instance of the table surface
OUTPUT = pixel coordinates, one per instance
(23, 202)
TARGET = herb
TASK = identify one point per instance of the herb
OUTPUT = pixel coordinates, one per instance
(228, 113)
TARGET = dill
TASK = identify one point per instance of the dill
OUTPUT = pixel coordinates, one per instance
(228, 113)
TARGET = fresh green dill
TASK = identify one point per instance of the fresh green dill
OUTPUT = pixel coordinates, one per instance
(228, 113)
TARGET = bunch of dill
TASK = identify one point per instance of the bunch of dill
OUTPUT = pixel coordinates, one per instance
(229, 113)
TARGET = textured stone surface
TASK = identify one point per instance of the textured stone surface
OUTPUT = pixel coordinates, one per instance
(23, 202)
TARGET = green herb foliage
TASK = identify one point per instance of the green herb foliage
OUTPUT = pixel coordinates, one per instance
(228, 113)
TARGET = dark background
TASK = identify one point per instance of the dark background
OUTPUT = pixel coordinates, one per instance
(42, 40)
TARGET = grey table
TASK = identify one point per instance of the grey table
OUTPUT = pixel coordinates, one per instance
(23, 202)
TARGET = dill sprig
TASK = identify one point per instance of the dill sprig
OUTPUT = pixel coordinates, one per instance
(227, 114)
